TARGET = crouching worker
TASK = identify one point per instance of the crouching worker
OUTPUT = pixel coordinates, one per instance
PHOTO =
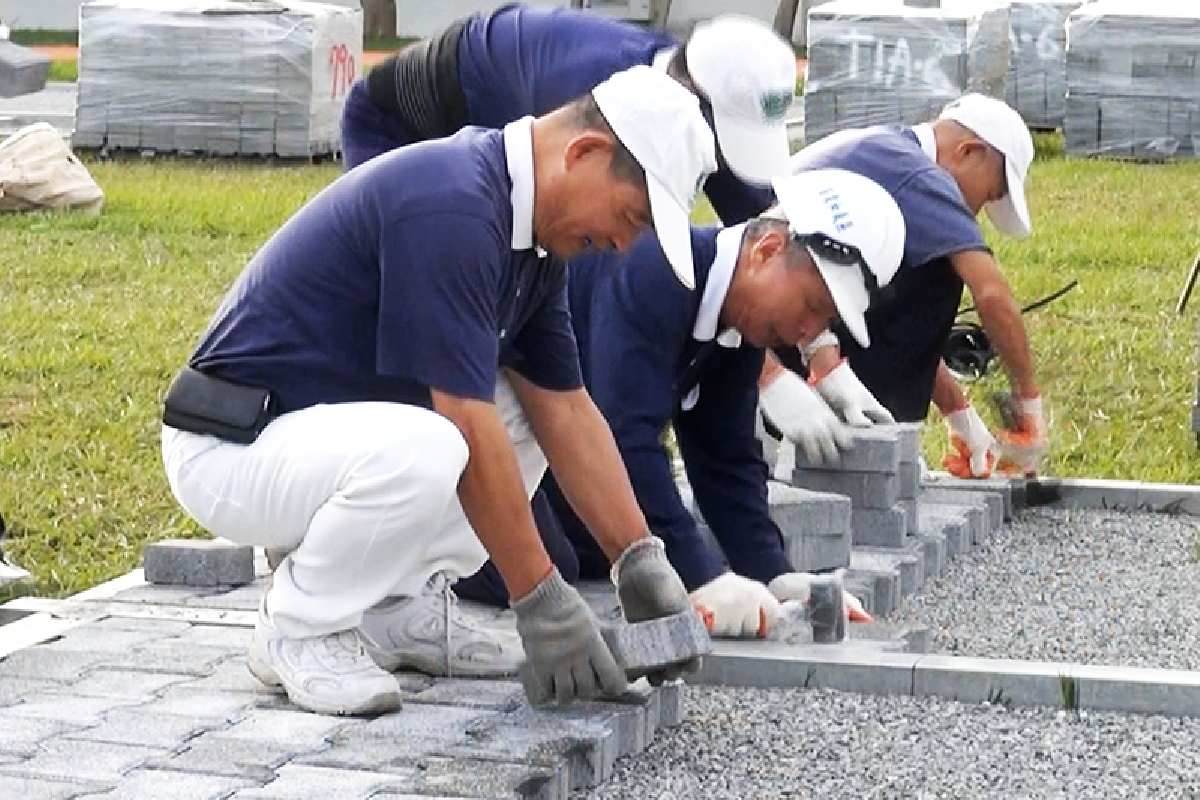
(380, 392)
(655, 353)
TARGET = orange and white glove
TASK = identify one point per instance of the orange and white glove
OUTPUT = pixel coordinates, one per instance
(1024, 446)
(797, 586)
(975, 450)
(734, 607)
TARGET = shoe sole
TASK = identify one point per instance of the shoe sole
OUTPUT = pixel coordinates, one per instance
(382, 703)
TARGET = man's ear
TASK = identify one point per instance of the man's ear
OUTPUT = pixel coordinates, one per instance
(768, 245)
(585, 145)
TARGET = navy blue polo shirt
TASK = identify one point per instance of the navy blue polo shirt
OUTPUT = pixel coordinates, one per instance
(908, 331)
(415, 272)
(522, 60)
(646, 364)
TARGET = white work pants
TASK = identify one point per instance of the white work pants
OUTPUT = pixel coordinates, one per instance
(365, 494)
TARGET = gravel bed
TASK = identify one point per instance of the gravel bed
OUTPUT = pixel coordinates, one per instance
(757, 744)
(1081, 586)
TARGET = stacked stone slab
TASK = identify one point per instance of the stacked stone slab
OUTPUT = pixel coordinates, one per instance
(1133, 79)
(1037, 70)
(223, 77)
(874, 61)
(22, 71)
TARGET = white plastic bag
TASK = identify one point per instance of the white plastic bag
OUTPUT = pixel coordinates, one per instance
(38, 170)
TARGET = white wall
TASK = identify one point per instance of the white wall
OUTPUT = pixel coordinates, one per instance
(54, 15)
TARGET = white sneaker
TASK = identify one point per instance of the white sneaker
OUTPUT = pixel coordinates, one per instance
(329, 674)
(428, 632)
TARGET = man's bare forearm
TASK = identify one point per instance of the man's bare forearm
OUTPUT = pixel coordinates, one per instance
(493, 495)
(586, 463)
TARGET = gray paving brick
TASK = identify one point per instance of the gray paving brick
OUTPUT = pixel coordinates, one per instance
(144, 726)
(908, 442)
(672, 703)
(886, 589)
(975, 516)
(66, 708)
(146, 783)
(234, 638)
(198, 562)
(41, 662)
(287, 726)
(641, 648)
(879, 527)
(874, 449)
(1011, 490)
(471, 778)
(172, 656)
(992, 501)
(933, 546)
(908, 477)
(294, 782)
(13, 690)
(588, 746)
(229, 675)
(796, 509)
(210, 702)
(212, 754)
(865, 489)
(23, 735)
(162, 628)
(911, 517)
(22, 69)
(862, 586)
(45, 789)
(74, 759)
(100, 640)
(473, 694)
(909, 564)
(131, 684)
(951, 525)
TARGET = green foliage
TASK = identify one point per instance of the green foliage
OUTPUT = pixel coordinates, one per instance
(40, 36)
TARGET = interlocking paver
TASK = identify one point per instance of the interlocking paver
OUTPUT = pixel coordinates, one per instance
(143, 725)
(322, 783)
(198, 562)
(214, 754)
(142, 784)
(44, 789)
(131, 684)
(75, 759)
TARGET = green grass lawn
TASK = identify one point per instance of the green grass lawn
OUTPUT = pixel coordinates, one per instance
(98, 312)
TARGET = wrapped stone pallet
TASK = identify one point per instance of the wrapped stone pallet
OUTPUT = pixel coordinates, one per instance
(224, 77)
(1133, 79)
(1037, 73)
(882, 61)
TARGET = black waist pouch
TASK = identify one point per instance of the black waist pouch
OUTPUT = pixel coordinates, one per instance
(199, 403)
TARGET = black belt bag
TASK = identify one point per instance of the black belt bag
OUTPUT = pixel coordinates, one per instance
(199, 403)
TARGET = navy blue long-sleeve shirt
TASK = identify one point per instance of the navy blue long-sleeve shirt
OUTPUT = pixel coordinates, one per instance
(635, 325)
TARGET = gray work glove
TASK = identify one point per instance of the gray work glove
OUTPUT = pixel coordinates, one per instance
(565, 656)
(648, 588)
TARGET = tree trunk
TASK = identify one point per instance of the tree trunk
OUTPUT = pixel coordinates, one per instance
(379, 19)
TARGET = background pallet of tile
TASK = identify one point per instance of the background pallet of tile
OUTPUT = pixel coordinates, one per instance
(1037, 70)
(223, 77)
(1133, 79)
(879, 61)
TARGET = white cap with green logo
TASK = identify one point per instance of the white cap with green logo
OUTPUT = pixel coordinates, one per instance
(747, 72)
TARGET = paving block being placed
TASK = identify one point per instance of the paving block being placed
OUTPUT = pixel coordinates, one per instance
(908, 476)
(874, 449)
(976, 517)
(879, 527)
(933, 546)
(198, 562)
(645, 647)
(1011, 490)
(865, 489)
(22, 70)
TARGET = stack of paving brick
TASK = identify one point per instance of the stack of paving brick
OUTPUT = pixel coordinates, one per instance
(1133, 79)
(903, 531)
(875, 61)
(1037, 71)
(223, 77)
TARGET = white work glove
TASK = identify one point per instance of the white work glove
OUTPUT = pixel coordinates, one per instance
(802, 416)
(796, 586)
(845, 394)
(734, 607)
(975, 449)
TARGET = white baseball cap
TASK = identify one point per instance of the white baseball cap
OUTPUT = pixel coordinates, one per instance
(660, 124)
(747, 72)
(1001, 127)
(853, 230)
